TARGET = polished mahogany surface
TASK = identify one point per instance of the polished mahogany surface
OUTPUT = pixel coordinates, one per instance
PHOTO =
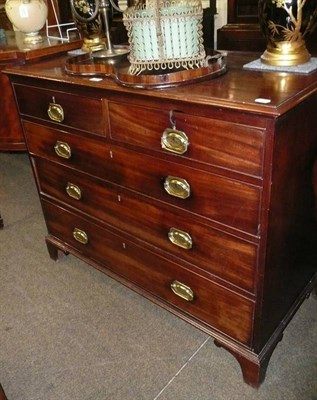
(238, 89)
(200, 197)
(13, 48)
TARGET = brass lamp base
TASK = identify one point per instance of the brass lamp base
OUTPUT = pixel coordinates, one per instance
(94, 44)
(286, 54)
(32, 38)
(113, 55)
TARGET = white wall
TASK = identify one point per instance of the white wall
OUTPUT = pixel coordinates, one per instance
(221, 17)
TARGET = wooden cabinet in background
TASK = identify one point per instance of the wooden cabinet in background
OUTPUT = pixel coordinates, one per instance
(2, 394)
(5, 24)
(63, 12)
(11, 137)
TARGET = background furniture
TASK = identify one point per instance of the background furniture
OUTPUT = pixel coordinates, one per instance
(2, 394)
(198, 197)
(4, 21)
(242, 32)
(62, 9)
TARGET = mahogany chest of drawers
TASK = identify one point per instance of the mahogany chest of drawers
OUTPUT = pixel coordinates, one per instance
(199, 197)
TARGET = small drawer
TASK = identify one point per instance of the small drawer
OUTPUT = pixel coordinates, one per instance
(221, 143)
(63, 147)
(214, 197)
(215, 252)
(65, 109)
(196, 297)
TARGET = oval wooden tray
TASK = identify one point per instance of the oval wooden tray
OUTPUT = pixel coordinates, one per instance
(86, 65)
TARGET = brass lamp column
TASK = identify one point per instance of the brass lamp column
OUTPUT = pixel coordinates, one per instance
(110, 53)
(285, 25)
(89, 23)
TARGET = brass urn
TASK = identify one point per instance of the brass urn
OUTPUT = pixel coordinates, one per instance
(286, 25)
(89, 23)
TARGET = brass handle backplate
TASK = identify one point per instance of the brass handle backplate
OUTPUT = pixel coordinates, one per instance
(174, 141)
(177, 187)
(62, 149)
(73, 191)
(80, 236)
(183, 291)
(55, 112)
(180, 238)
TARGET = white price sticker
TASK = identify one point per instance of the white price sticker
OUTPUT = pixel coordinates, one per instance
(23, 9)
(262, 101)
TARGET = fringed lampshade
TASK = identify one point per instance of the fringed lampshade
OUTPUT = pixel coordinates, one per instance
(165, 35)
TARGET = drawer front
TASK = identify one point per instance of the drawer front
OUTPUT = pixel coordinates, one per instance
(172, 230)
(227, 201)
(201, 298)
(65, 109)
(224, 144)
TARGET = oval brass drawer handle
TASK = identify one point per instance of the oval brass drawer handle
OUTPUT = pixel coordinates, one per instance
(177, 187)
(174, 141)
(80, 236)
(183, 291)
(55, 112)
(62, 149)
(180, 238)
(73, 191)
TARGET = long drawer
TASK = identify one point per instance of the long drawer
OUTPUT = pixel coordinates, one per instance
(221, 309)
(168, 228)
(214, 197)
(206, 140)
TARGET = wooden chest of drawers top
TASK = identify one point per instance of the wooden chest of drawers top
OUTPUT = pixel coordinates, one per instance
(239, 89)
